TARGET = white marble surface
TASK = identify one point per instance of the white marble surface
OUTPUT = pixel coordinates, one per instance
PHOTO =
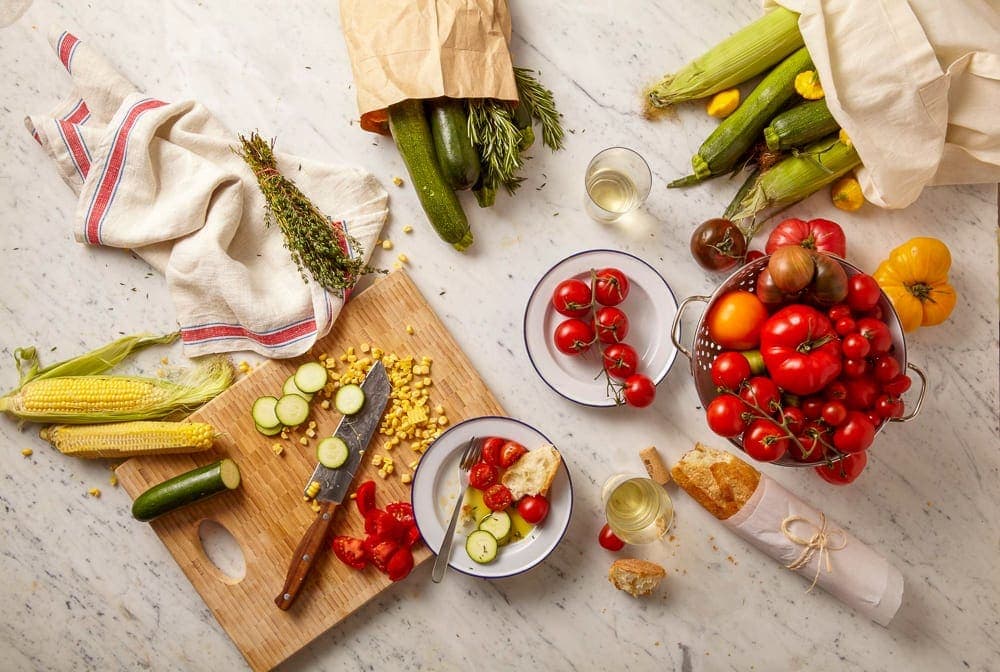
(85, 587)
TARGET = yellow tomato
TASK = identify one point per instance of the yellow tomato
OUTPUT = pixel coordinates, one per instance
(915, 278)
(736, 319)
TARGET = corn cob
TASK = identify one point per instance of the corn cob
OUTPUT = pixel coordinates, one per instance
(128, 439)
(95, 399)
(739, 57)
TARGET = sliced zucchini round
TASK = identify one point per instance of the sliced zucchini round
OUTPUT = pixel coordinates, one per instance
(499, 524)
(349, 399)
(291, 410)
(291, 388)
(269, 431)
(332, 452)
(482, 547)
(311, 377)
(263, 412)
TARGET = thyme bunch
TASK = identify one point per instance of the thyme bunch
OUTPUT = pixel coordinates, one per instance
(313, 239)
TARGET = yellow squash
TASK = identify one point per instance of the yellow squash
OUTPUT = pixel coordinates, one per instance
(915, 278)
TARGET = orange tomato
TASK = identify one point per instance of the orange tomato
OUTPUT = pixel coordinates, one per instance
(736, 319)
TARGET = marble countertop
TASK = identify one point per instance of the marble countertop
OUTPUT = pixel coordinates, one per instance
(85, 587)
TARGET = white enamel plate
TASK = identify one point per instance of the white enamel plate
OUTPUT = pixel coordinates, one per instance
(436, 488)
(650, 307)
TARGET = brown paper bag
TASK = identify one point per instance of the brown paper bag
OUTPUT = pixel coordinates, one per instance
(415, 49)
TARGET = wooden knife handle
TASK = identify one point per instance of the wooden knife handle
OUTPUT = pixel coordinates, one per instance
(305, 555)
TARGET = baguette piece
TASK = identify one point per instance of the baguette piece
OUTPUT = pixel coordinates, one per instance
(636, 577)
(719, 481)
(533, 473)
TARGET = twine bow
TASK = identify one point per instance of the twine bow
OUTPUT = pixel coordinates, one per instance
(821, 542)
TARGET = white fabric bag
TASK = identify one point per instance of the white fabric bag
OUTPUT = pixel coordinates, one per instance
(162, 179)
(916, 85)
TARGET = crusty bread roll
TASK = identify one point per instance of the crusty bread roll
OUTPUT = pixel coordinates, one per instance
(719, 481)
(533, 473)
(635, 577)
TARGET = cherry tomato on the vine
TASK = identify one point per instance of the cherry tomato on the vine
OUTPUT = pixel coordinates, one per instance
(730, 369)
(855, 346)
(639, 390)
(620, 360)
(843, 471)
(611, 324)
(574, 336)
(855, 434)
(572, 298)
(725, 415)
(765, 441)
(761, 391)
(610, 286)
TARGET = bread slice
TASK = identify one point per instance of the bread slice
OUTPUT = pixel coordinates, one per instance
(635, 577)
(719, 481)
(533, 473)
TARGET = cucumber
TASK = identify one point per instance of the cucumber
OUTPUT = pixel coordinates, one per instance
(349, 399)
(412, 136)
(263, 413)
(292, 410)
(291, 388)
(187, 488)
(800, 125)
(482, 547)
(311, 377)
(332, 452)
(499, 524)
(456, 156)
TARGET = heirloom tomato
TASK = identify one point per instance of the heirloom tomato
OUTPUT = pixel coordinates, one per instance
(800, 349)
(791, 268)
(915, 278)
(718, 245)
(821, 235)
(735, 320)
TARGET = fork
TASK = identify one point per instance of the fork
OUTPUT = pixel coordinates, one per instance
(470, 456)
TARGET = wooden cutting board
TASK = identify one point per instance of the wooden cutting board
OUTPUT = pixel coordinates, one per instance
(266, 514)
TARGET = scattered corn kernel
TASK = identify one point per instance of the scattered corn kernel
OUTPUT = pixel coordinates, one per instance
(113, 480)
(844, 138)
(366, 347)
(377, 461)
(314, 505)
(443, 420)
(409, 329)
(386, 244)
(406, 478)
(354, 495)
(27, 452)
(164, 360)
(304, 441)
(311, 433)
(94, 492)
(382, 473)
(403, 258)
(407, 229)
(723, 103)
(398, 181)
(313, 489)
(278, 449)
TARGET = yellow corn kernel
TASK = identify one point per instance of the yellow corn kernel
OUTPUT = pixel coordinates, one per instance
(723, 103)
(313, 489)
(406, 478)
(365, 347)
(846, 193)
(314, 505)
(354, 495)
(386, 244)
(407, 229)
(113, 480)
(304, 441)
(377, 461)
(439, 409)
(126, 439)
(396, 265)
(94, 492)
(443, 420)
(808, 86)
(409, 329)
(403, 258)
(389, 468)
(27, 452)
(382, 473)
(164, 360)
(311, 433)
(398, 181)
(844, 138)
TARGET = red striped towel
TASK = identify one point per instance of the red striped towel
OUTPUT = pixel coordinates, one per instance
(161, 179)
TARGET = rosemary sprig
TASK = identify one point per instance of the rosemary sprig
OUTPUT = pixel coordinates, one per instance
(310, 236)
(496, 138)
(542, 106)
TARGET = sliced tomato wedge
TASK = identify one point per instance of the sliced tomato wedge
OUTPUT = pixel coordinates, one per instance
(382, 525)
(364, 497)
(350, 551)
(400, 564)
(401, 511)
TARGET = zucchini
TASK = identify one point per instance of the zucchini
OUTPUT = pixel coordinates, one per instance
(269, 431)
(186, 488)
(263, 413)
(291, 388)
(499, 524)
(456, 157)
(412, 136)
(332, 452)
(482, 547)
(311, 377)
(291, 410)
(349, 399)
(739, 131)
(800, 125)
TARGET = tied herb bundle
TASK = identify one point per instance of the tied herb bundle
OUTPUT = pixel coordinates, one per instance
(502, 132)
(312, 238)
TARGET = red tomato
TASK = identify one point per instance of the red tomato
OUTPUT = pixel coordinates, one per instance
(730, 369)
(844, 326)
(412, 536)
(888, 406)
(492, 450)
(620, 360)
(812, 407)
(350, 551)
(511, 453)
(382, 525)
(834, 413)
(808, 446)
(533, 508)
(863, 293)
(835, 391)
(400, 564)
(855, 346)
(753, 255)
(725, 415)
(762, 393)
(843, 471)
(839, 312)
(897, 386)
(861, 393)
(855, 368)
(482, 475)
(403, 512)
(639, 390)
(610, 286)
(793, 418)
(611, 324)
(497, 497)
(816, 234)
(382, 551)
(364, 497)
(800, 349)
(877, 334)
(574, 336)
(736, 319)
(572, 298)
(874, 418)
(885, 367)
(609, 539)
(765, 441)
(855, 435)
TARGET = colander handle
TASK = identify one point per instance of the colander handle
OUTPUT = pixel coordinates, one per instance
(675, 328)
(920, 397)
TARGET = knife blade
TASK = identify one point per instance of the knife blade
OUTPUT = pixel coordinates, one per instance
(356, 431)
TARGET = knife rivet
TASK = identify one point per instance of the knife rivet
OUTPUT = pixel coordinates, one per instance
(305, 558)
(286, 596)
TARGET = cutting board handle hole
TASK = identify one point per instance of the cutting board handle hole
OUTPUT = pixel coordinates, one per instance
(222, 549)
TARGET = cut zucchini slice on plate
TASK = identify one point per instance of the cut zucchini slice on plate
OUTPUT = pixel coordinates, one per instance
(291, 388)
(332, 452)
(291, 410)
(311, 377)
(263, 412)
(349, 399)
(499, 524)
(482, 547)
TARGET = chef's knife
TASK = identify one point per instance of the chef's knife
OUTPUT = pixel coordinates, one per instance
(356, 431)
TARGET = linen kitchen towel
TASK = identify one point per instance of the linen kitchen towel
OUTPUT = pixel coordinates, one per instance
(162, 179)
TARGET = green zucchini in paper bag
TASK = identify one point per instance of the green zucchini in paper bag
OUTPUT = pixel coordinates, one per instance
(456, 156)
